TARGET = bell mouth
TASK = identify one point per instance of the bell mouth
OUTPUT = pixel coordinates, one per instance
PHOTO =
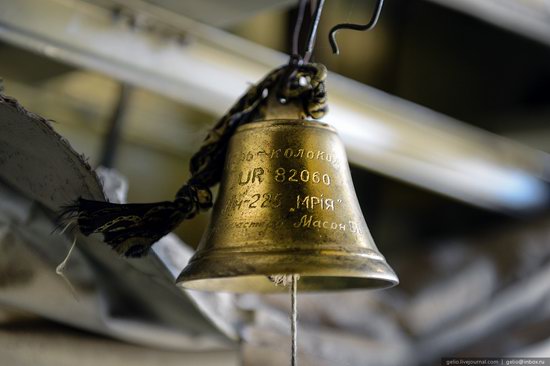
(319, 272)
(262, 284)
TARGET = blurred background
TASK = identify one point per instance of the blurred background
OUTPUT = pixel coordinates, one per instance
(443, 109)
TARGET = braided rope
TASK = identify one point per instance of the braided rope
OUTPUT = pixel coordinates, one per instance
(131, 229)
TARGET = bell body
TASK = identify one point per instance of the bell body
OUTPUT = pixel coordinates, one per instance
(286, 205)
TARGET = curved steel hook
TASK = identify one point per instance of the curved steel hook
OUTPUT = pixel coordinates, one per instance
(371, 24)
(312, 28)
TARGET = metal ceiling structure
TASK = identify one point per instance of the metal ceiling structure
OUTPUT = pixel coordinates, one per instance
(529, 18)
(219, 13)
(208, 68)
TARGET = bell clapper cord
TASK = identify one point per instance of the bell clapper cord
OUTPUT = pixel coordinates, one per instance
(294, 318)
(291, 281)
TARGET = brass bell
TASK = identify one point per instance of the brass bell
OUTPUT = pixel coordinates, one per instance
(286, 205)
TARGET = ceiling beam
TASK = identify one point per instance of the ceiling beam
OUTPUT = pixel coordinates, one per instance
(210, 69)
(527, 18)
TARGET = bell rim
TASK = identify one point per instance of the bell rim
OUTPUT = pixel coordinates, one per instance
(353, 272)
(260, 250)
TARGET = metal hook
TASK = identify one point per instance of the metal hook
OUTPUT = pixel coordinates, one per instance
(371, 24)
(313, 30)
(298, 27)
(315, 17)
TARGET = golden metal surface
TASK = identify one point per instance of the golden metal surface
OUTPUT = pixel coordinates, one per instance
(286, 205)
